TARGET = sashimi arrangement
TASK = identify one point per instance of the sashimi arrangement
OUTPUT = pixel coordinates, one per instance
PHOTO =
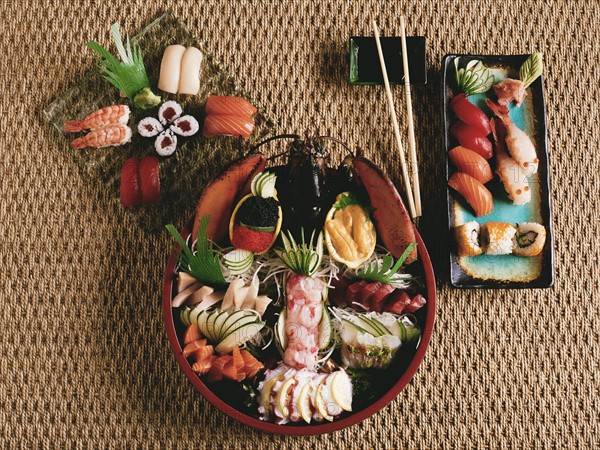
(495, 190)
(291, 294)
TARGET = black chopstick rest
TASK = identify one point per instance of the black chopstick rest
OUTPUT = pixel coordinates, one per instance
(365, 68)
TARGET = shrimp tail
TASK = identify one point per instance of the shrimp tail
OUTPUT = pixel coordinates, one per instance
(500, 110)
(73, 126)
(79, 143)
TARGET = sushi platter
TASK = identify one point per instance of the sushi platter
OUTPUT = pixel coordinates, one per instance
(300, 298)
(498, 169)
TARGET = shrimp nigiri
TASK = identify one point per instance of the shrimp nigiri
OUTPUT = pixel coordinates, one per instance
(116, 134)
(114, 114)
(475, 193)
(511, 174)
(519, 144)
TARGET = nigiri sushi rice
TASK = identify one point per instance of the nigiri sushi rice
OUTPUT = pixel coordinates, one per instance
(467, 239)
(529, 239)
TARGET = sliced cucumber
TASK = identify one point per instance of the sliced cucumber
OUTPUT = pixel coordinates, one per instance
(402, 335)
(184, 315)
(201, 322)
(239, 335)
(233, 317)
(355, 326)
(280, 329)
(268, 229)
(263, 185)
(193, 314)
(230, 327)
(380, 326)
(210, 325)
(324, 329)
(218, 324)
(238, 261)
(368, 326)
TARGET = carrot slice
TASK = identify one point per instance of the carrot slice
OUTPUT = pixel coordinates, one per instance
(251, 364)
(193, 346)
(191, 334)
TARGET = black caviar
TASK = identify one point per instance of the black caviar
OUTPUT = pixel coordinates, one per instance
(259, 212)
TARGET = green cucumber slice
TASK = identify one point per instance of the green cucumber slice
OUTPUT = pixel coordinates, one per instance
(238, 261)
(231, 327)
(239, 336)
(201, 322)
(218, 325)
(368, 326)
(355, 326)
(280, 329)
(325, 329)
(269, 229)
(384, 330)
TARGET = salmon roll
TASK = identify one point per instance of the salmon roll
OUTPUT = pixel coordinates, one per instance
(529, 239)
(497, 238)
(467, 239)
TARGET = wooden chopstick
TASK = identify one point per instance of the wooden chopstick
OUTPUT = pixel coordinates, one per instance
(411, 125)
(386, 82)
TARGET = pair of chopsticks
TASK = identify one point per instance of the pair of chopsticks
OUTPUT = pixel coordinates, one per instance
(414, 193)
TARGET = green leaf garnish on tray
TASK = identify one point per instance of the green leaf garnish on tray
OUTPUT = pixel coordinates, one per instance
(128, 75)
(350, 198)
(204, 264)
(387, 271)
(473, 79)
(531, 69)
(303, 258)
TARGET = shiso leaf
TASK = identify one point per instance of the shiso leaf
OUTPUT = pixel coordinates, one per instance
(204, 264)
(531, 69)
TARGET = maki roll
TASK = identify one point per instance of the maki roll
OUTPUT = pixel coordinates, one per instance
(185, 126)
(149, 127)
(467, 239)
(497, 238)
(169, 111)
(529, 239)
(165, 143)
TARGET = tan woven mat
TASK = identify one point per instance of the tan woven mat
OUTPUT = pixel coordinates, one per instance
(84, 361)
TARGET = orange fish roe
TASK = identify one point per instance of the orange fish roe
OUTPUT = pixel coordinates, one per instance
(247, 239)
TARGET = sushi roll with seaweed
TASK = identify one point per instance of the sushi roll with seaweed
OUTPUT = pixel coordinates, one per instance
(185, 126)
(467, 239)
(165, 143)
(149, 127)
(529, 239)
(497, 238)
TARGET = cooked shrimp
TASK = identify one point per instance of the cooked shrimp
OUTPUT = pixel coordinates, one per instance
(114, 114)
(511, 174)
(519, 144)
(116, 134)
(509, 90)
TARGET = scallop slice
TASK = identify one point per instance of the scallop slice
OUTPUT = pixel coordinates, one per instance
(170, 69)
(189, 80)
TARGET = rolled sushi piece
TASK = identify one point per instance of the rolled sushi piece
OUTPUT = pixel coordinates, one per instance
(529, 239)
(169, 112)
(467, 239)
(185, 126)
(165, 143)
(497, 238)
(149, 127)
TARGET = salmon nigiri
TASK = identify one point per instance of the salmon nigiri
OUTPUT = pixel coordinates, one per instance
(216, 125)
(471, 163)
(227, 105)
(475, 193)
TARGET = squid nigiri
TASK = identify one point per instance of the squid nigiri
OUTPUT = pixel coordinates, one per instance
(217, 124)
(111, 135)
(235, 106)
(519, 144)
(170, 69)
(189, 79)
(471, 163)
(511, 174)
(114, 114)
(475, 193)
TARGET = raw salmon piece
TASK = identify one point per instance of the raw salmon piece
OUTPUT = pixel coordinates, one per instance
(234, 106)
(217, 125)
(475, 193)
(471, 163)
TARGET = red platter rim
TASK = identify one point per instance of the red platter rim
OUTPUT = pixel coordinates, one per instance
(321, 428)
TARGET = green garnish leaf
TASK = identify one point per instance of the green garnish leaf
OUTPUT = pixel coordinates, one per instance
(531, 69)
(303, 258)
(350, 198)
(385, 272)
(128, 75)
(473, 79)
(204, 265)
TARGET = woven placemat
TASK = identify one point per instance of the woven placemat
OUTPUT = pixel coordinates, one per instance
(84, 358)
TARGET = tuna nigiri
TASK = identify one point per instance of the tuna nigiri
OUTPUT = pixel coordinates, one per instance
(475, 193)
(471, 163)
(519, 144)
(471, 138)
(216, 125)
(234, 106)
(470, 114)
(114, 114)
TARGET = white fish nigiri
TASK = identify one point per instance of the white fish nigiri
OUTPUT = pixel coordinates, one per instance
(189, 80)
(170, 69)
(518, 142)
